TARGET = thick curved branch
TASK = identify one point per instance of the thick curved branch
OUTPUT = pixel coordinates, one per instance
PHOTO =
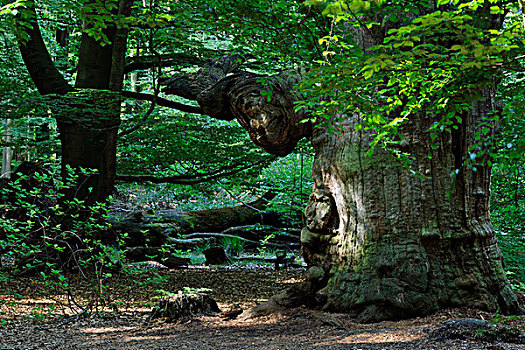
(271, 120)
(163, 102)
(263, 105)
(40, 66)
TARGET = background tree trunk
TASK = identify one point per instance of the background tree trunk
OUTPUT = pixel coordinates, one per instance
(88, 133)
(89, 137)
(7, 152)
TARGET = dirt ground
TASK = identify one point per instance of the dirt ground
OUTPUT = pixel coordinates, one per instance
(28, 323)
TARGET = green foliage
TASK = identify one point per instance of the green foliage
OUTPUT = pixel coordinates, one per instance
(508, 181)
(429, 62)
(432, 62)
(291, 178)
(236, 245)
(44, 233)
(508, 216)
(188, 147)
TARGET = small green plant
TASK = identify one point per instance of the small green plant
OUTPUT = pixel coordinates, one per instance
(497, 318)
(234, 245)
(479, 333)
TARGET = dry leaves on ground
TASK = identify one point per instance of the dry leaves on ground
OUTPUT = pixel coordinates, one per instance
(126, 326)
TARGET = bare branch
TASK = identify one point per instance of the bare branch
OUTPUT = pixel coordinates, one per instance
(144, 118)
(163, 102)
(191, 179)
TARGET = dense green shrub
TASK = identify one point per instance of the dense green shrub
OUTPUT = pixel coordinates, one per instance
(43, 233)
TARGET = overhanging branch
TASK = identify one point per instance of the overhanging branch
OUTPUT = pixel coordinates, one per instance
(263, 105)
(191, 179)
(163, 102)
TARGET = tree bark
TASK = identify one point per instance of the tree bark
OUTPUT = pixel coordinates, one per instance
(88, 138)
(394, 245)
(39, 64)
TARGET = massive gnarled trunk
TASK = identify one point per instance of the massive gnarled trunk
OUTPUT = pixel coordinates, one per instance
(391, 244)
(382, 243)
(394, 245)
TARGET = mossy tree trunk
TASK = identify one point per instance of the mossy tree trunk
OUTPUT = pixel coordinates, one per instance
(395, 245)
(88, 138)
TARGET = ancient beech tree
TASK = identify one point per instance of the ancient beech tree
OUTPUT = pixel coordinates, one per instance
(381, 242)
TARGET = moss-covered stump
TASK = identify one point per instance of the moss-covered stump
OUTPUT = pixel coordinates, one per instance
(182, 306)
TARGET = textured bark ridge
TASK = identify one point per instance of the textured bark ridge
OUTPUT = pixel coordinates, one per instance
(395, 245)
(225, 93)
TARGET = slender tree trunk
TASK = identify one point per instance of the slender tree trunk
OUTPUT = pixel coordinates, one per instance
(7, 153)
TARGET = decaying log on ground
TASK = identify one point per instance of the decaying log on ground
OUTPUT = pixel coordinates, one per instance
(185, 244)
(158, 227)
(248, 241)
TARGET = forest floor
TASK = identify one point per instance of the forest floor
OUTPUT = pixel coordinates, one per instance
(31, 317)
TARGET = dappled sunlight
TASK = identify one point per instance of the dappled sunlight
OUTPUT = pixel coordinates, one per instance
(375, 337)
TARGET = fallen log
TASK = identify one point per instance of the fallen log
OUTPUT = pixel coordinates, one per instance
(158, 227)
(257, 243)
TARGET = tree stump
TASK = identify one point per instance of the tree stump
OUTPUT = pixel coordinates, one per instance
(181, 307)
(215, 256)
